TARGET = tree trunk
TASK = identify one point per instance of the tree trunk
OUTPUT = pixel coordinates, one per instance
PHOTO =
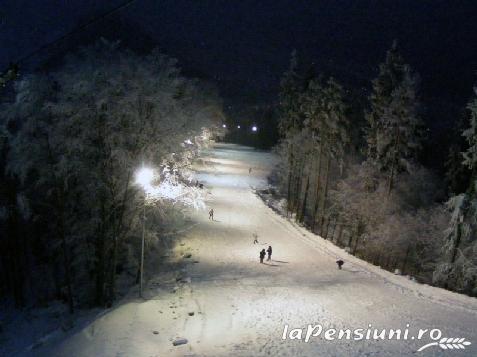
(289, 191)
(299, 185)
(390, 180)
(325, 191)
(294, 183)
(290, 178)
(303, 206)
(455, 248)
(393, 163)
(317, 191)
(333, 231)
(350, 240)
(340, 232)
(328, 221)
(406, 257)
(356, 241)
(359, 232)
(116, 238)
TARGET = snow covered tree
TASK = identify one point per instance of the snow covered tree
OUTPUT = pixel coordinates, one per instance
(290, 125)
(458, 270)
(291, 87)
(325, 121)
(82, 132)
(394, 127)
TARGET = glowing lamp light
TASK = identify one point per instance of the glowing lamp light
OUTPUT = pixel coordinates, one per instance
(144, 177)
(224, 126)
(238, 126)
(254, 128)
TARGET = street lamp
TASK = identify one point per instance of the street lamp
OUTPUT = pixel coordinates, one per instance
(254, 128)
(144, 177)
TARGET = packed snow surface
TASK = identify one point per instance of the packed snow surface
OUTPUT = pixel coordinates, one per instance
(225, 303)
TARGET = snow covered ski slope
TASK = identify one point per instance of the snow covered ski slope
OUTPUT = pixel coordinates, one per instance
(225, 303)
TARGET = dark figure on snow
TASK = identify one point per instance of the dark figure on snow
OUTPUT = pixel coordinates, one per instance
(255, 238)
(269, 252)
(262, 255)
(211, 214)
(340, 263)
(249, 170)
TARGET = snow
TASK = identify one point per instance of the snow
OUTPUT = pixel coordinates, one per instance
(241, 306)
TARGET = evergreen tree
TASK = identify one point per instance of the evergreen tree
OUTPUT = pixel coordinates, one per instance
(324, 111)
(394, 127)
(458, 271)
(290, 126)
(457, 175)
(335, 134)
(290, 91)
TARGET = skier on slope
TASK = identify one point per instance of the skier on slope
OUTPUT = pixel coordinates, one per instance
(255, 238)
(340, 263)
(269, 252)
(211, 214)
(262, 255)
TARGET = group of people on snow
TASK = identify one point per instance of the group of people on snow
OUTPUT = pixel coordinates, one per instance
(263, 252)
(267, 252)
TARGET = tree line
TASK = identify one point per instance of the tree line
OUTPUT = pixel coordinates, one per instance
(72, 139)
(353, 174)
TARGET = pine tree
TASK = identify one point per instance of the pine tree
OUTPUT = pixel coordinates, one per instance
(336, 136)
(389, 78)
(394, 130)
(457, 175)
(290, 91)
(458, 271)
(324, 111)
(291, 123)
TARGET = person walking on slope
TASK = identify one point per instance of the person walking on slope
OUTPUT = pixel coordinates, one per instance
(255, 238)
(269, 252)
(249, 170)
(211, 214)
(340, 263)
(262, 255)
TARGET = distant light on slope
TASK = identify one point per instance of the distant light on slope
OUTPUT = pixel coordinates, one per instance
(224, 126)
(254, 128)
(238, 126)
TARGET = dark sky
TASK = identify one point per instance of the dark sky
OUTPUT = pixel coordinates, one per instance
(244, 46)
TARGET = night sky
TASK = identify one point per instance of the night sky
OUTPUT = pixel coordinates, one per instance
(244, 46)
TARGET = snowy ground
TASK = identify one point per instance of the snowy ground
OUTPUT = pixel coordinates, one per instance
(241, 306)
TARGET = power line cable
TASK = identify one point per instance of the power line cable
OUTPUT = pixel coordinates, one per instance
(13, 68)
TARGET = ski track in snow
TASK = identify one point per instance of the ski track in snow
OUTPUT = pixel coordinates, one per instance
(241, 306)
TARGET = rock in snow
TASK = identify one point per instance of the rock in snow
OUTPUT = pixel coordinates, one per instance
(179, 341)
